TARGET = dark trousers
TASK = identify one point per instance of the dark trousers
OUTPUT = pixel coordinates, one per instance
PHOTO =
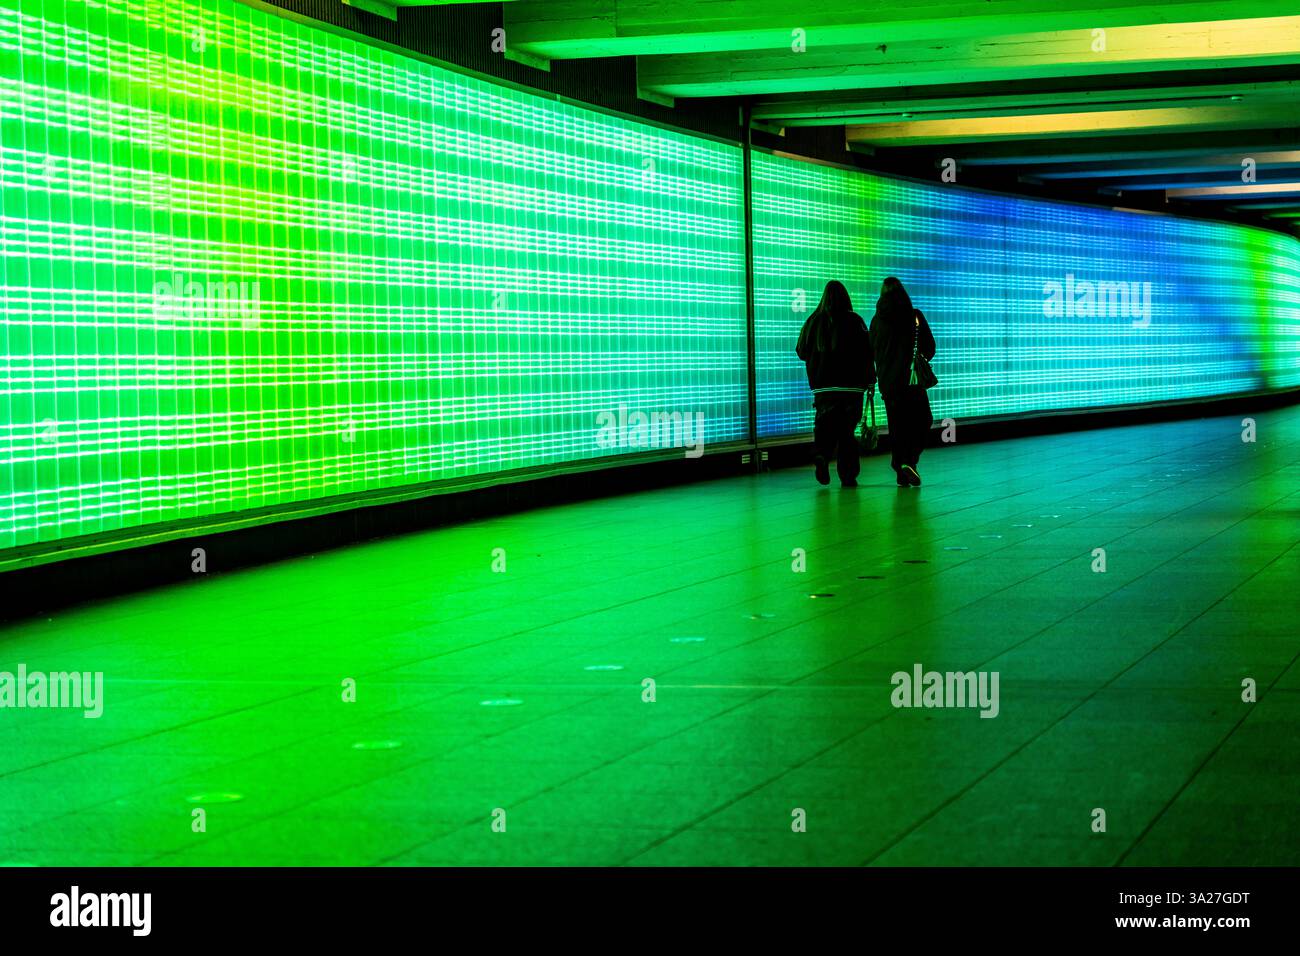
(910, 419)
(835, 426)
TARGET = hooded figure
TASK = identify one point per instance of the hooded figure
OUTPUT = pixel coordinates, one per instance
(836, 352)
(896, 329)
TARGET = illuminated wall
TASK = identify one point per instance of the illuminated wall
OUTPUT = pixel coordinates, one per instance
(247, 262)
(1211, 308)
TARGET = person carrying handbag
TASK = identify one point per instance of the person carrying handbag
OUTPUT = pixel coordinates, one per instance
(903, 347)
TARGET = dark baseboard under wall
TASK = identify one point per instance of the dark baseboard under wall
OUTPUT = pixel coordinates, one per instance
(44, 588)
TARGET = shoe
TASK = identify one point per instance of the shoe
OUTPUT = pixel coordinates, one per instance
(850, 483)
(823, 470)
(909, 472)
(903, 480)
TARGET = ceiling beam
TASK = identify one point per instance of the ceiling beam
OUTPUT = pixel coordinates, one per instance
(1229, 177)
(579, 29)
(380, 8)
(1223, 193)
(1109, 169)
(1046, 152)
(1237, 43)
(1137, 122)
(833, 111)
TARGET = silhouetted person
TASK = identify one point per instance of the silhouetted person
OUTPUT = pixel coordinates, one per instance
(836, 350)
(896, 329)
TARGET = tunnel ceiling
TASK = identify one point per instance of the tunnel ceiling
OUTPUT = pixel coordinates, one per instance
(1191, 106)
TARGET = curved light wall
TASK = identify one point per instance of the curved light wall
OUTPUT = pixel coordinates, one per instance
(249, 262)
(1036, 306)
(249, 265)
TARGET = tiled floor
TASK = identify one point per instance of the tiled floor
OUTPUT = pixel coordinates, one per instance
(521, 693)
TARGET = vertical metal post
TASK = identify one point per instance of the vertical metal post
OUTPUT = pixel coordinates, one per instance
(750, 349)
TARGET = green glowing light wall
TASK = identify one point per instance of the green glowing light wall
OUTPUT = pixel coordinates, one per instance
(1224, 311)
(248, 262)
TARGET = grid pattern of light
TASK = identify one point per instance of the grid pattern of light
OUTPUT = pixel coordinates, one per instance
(1035, 305)
(246, 262)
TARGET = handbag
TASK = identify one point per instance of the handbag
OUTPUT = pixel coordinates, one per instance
(869, 437)
(922, 374)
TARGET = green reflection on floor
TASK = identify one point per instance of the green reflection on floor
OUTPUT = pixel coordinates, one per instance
(1119, 691)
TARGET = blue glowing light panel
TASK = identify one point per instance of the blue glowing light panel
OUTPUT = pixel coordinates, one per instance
(1035, 305)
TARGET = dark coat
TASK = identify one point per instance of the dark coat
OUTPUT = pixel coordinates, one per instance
(836, 352)
(894, 327)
